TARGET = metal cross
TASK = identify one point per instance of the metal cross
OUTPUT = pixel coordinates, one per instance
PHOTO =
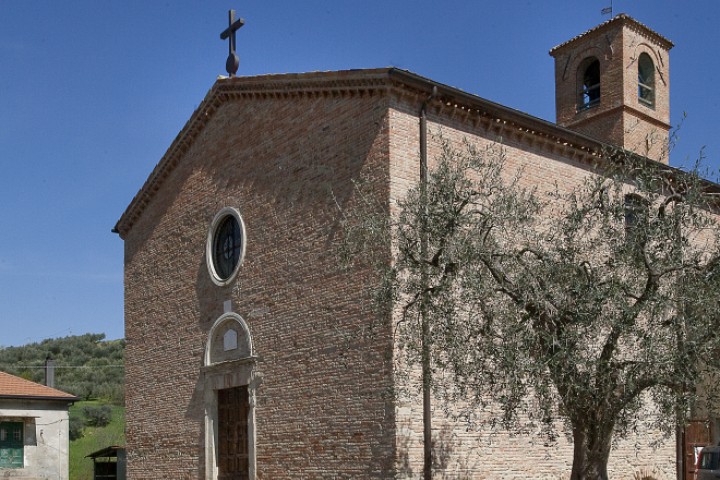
(233, 61)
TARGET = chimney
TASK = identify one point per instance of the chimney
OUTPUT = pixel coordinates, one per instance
(50, 372)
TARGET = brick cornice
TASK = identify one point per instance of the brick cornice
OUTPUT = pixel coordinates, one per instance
(623, 109)
(447, 101)
(324, 84)
(500, 120)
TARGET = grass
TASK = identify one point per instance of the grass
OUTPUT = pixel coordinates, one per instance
(94, 439)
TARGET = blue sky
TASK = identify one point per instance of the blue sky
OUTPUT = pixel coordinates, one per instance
(92, 92)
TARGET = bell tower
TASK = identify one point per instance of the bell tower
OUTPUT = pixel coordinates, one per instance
(613, 83)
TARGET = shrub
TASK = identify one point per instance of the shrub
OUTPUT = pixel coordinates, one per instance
(97, 416)
(77, 425)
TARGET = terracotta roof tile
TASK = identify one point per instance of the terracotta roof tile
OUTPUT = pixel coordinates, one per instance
(620, 17)
(12, 386)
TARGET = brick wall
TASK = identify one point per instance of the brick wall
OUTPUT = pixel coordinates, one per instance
(323, 409)
(285, 157)
(468, 451)
(620, 118)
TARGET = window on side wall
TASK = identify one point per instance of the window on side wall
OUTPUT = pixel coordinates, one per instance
(636, 217)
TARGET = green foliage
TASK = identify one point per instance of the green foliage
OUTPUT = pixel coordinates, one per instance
(97, 416)
(87, 366)
(88, 415)
(94, 438)
(77, 425)
(561, 304)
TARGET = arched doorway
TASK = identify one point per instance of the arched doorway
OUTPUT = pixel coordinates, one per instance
(230, 383)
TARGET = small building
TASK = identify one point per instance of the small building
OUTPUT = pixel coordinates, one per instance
(109, 463)
(34, 430)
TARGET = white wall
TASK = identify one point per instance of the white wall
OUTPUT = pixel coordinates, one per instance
(46, 438)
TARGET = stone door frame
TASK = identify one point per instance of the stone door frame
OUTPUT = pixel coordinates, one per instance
(228, 373)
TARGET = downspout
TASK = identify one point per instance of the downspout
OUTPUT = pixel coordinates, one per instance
(681, 417)
(425, 333)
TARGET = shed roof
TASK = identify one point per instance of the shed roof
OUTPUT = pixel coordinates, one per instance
(107, 452)
(19, 388)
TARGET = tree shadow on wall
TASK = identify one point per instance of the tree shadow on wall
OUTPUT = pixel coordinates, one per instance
(452, 459)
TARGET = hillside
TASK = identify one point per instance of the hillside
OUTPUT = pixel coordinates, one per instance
(89, 435)
(87, 366)
(91, 368)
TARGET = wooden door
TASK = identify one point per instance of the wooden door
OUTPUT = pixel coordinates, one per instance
(696, 436)
(233, 434)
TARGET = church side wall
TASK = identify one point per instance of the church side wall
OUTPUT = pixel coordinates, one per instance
(462, 451)
(323, 407)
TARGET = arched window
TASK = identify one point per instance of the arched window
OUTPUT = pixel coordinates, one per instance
(589, 82)
(646, 80)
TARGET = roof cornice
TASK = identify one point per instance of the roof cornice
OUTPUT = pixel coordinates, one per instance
(329, 84)
(512, 120)
(495, 117)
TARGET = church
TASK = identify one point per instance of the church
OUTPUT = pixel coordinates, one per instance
(245, 355)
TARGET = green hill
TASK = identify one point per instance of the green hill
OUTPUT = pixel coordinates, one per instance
(93, 438)
(91, 368)
(87, 366)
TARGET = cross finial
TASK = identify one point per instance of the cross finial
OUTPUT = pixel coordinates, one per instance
(233, 61)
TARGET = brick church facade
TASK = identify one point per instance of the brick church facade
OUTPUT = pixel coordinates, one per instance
(245, 349)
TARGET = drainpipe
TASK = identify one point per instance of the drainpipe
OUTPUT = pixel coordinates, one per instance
(679, 451)
(425, 333)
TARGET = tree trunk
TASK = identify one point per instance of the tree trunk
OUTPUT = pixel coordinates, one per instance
(591, 451)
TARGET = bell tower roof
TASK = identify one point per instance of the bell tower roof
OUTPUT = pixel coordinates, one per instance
(625, 19)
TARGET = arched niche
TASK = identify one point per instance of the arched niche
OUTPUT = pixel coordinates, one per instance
(228, 340)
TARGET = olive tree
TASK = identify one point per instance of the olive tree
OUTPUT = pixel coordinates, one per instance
(574, 306)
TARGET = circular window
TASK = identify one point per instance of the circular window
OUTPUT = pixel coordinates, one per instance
(225, 245)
